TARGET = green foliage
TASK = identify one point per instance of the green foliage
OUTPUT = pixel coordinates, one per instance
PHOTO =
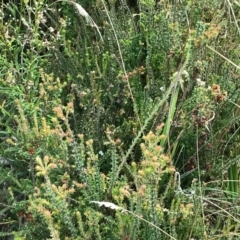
(132, 105)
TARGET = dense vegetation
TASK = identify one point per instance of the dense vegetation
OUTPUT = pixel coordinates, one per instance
(119, 119)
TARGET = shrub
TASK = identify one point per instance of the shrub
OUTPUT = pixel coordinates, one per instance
(123, 105)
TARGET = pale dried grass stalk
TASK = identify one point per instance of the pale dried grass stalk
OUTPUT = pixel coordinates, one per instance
(123, 210)
(88, 18)
(84, 13)
(108, 205)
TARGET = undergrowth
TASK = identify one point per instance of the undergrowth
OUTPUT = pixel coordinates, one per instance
(129, 105)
